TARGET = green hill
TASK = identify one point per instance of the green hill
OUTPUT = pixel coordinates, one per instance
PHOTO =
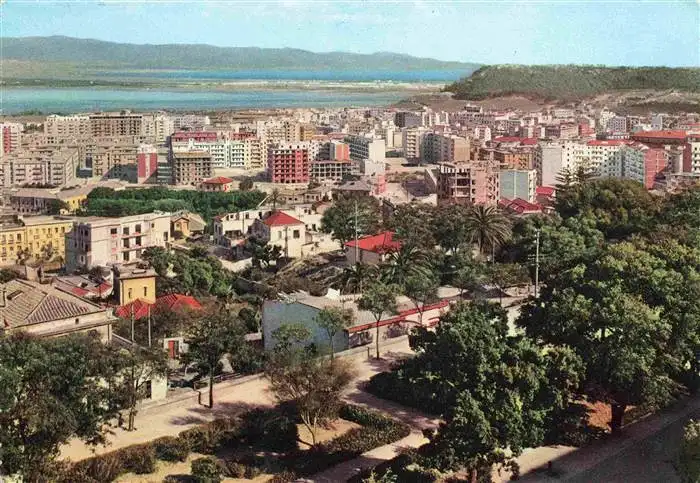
(99, 54)
(570, 81)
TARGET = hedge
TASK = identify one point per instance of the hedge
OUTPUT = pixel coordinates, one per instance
(272, 430)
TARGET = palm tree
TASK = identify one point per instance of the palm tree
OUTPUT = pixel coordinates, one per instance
(353, 278)
(487, 226)
(404, 263)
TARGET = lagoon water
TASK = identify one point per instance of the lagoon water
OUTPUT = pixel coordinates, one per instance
(212, 90)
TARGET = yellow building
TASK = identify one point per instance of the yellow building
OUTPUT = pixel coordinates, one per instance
(35, 238)
(131, 283)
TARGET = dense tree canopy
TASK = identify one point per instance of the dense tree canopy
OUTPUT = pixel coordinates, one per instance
(108, 202)
(341, 219)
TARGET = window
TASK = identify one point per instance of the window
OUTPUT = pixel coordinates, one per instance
(113, 231)
(77, 321)
(125, 256)
(138, 241)
(145, 291)
(129, 293)
(137, 228)
(279, 235)
(126, 243)
(296, 234)
(125, 230)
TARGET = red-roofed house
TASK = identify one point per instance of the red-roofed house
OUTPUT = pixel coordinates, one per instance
(171, 302)
(283, 230)
(220, 183)
(544, 195)
(371, 249)
(520, 207)
(660, 138)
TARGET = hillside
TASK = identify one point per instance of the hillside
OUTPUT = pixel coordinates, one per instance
(100, 54)
(570, 81)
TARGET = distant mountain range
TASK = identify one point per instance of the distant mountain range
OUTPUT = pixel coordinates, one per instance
(97, 54)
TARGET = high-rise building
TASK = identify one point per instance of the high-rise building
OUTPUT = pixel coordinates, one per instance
(54, 167)
(191, 167)
(407, 119)
(11, 137)
(146, 163)
(642, 163)
(289, 163)
(468, 183)
(437, 148)
(122, 123)
(517, 183)
(361, 147)
(412, 140)
(62, 127)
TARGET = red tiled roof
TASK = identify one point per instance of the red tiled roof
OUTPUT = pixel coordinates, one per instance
(218, 180)
(544, 190)
(519, 205)
(279, 218)
(675, 135)
(380, 243)
(174, 302)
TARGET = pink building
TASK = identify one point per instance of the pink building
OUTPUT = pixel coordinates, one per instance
(288, 163)
(146, 163)
(655, 162)
(468, 183)
(339, 151)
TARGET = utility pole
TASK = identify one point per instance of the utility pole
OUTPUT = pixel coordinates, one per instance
(357, 249)
(537, 263)
(149, 326)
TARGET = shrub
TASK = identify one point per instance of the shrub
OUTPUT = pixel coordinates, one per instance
(269, 429)
(284, 477)
(252, 472)
(169, 448)
(233, 469)
(102, 468)
(207, 439)
(206, 470)
(139, 459)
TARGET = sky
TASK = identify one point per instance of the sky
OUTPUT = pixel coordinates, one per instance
(637, 32)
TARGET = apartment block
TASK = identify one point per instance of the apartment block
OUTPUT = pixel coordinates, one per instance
(191, 167)
(361, 147)
(225, 153)
(63, 127)
(407, 119)
(55, 167)
(439, 148)
(33, 238)
(468, 183)
(110, 241)
(643, 163)
(122, 123)
(412, 138)
(157, 125)
(518, 184)
(691, 156)
(146, 163)
(289, 163)
(11, 138)
(330, 171)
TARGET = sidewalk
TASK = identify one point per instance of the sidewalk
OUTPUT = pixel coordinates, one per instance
(229, 397)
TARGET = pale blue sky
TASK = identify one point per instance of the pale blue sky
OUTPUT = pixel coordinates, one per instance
(528, 32)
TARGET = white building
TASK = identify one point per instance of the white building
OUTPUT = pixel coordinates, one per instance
(362, 147)
(67, 126)
(109, 241)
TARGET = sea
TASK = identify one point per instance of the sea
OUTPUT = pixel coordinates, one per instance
(187, 90)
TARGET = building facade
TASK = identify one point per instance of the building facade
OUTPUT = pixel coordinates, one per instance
(518, 184)
(191, 167)
(289, 163)
(111, 241)
(468, 183)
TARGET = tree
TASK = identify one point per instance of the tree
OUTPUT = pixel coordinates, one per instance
(379, 299)
(406, 262)
(55, 207)
(275, 198)
(496, 393)
(52, 390)
(689, 457)
(313, 384)
(246, 184)
(6, 275)
(339, 220)
(333, 320)
(217, 335)
(487, 227)
(450, 230)
(415, 225)
(353, 278)
(139, 367)
(504, 275)
(618, 312)
(421, 291)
